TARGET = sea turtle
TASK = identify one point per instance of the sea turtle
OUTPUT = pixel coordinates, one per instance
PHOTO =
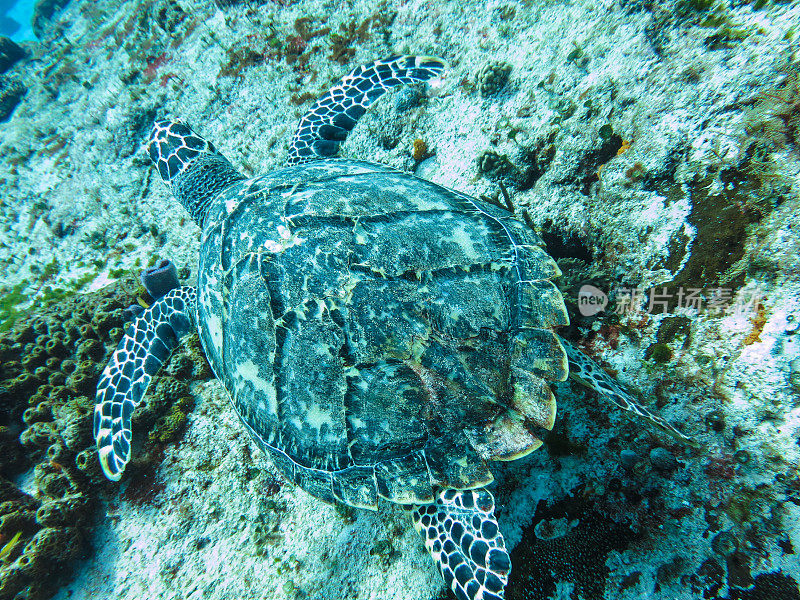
(379, 335)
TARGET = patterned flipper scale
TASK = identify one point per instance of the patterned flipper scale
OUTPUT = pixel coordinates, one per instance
(585, 371)
(462, 535)
(326, 125)
(145, 346)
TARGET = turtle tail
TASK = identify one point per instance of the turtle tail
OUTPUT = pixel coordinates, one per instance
(326, 125)
(145, 346)
(462, 535)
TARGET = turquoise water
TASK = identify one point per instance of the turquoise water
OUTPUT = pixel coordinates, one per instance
(15, 20)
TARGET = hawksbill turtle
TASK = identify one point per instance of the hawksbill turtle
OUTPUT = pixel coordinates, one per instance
(379, 335)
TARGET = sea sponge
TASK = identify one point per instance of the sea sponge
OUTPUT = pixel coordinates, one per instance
(40, 412)
(105, 320)
(419, 150)
(12, 581)
(160, 279)
(88, 463)
(57, 378)
(53, 481)
(50, 543)
(73, 509)
(74, 420)
(39, 435)
(20, 517)
(91, 349)
(82, 382)
(22, 385)
(49, 364)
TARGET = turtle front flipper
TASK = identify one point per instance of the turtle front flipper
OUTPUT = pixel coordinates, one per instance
(145, 346)
(585, 371)
(326, 125)
(462, 535)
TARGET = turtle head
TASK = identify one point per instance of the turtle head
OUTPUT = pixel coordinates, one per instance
(190, 165)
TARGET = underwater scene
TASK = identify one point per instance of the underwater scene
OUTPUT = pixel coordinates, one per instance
(400, 300)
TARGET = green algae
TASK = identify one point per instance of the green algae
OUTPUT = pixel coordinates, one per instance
(170, 426)
(10, 301)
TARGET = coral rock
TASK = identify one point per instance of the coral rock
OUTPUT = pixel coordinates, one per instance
(11, 92)
(10, 52)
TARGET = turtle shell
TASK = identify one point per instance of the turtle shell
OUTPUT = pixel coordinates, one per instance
(379, 335)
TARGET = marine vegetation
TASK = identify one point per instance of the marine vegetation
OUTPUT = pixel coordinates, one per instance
(50, 360)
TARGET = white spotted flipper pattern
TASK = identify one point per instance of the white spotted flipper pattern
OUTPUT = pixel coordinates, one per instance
(462, 535)
(326, 124)
(585, 371)
(145, 346)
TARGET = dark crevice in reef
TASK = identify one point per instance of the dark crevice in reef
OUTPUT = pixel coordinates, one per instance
(768, 586)
(592, 162)
(564, 244)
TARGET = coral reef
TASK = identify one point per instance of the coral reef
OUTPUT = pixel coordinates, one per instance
(43, 13)
(774, 118)
(10, 52)
(11, 92)
(650, 144)
(50, 363)
(492, 78)
(495, 166)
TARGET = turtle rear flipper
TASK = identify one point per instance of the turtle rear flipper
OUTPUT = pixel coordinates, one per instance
(145, 346)
(585, 371)
(462, 535)
(326, 125)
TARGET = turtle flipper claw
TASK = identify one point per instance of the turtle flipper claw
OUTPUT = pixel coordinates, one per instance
(145, 346)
